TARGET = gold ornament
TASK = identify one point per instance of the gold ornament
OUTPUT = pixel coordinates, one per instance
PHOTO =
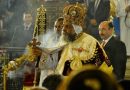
(32, 50)
(112, 8)
(76, 63)
(40, 23)
(74, 14)
(32, 53)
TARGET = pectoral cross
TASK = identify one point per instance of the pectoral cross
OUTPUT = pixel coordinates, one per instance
(34, 43)
(79, 49)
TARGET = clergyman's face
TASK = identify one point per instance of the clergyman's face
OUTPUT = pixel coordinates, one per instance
(69, 32)
(58, 26)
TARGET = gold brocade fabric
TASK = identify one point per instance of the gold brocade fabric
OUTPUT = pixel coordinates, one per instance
(83, 48)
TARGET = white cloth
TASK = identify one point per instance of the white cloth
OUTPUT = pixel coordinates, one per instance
(48, 62)
(78, 29)
(124, 30)
(47, 65)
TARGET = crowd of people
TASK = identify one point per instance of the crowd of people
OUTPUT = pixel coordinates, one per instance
(113, 52)
(82, 49)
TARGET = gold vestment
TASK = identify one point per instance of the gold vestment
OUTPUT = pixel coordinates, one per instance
(84, 50)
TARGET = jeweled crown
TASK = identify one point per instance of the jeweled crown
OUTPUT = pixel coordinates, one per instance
(74, 14)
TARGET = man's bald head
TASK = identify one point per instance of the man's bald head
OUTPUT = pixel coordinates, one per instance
(106, 29)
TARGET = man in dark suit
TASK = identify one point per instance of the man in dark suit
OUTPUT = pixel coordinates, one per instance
(98, 11)
(23, 33)
(115, 49)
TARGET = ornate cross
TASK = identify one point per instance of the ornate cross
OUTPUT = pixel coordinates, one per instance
(79, 49)
(34, 43)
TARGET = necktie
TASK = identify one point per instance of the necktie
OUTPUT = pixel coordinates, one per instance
(103, 43)
(26, 28)
(96, 4)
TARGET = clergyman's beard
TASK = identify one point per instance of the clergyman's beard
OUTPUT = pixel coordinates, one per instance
(70, 37)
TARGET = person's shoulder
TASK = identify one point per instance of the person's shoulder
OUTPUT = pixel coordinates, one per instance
(116, 39)
(19, 27)
(88, 36)
(119, 42)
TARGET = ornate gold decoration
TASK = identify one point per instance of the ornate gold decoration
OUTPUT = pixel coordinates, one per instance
(32, 53)
(76, 63)
(34, 43)
(11, 66)
(112, 8)
(32, 50)
(40, 23)
(79, 49)
(75, 14)
(86, 53)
